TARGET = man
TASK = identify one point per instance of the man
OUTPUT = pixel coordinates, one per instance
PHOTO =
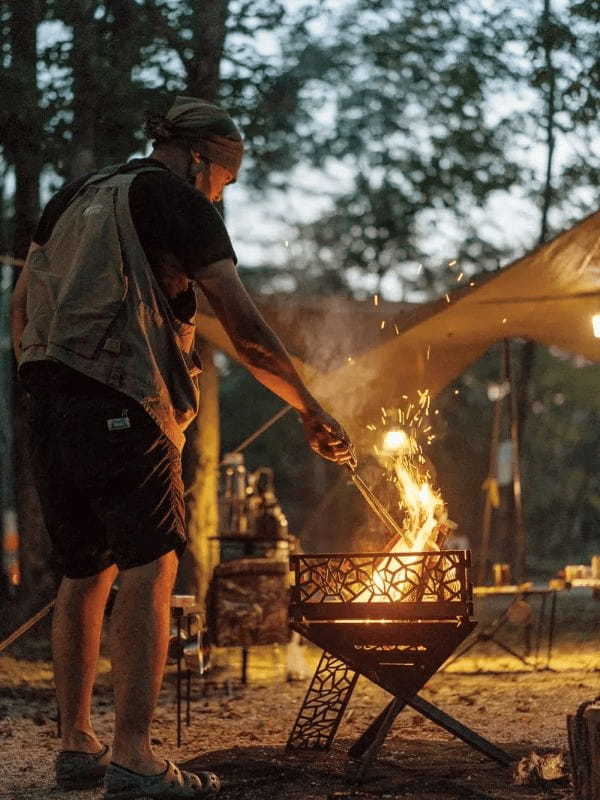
(102, 324)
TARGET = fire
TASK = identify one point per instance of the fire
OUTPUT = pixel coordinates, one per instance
(422, 507)
(425, 522)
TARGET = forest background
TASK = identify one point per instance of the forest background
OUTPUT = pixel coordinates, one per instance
(390, 143)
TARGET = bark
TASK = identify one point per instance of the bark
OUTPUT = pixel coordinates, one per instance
(85, 97)
(203, 69)
(528, 353)
(202, 455)
(202, 473)
(22, 138)
(23, 134)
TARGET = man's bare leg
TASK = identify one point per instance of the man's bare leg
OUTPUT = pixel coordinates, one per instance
(76, 630)
(139, 638)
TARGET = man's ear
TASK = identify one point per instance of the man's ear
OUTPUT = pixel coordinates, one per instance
(198, 163)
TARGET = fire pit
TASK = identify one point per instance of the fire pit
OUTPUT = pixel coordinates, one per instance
(392, 617)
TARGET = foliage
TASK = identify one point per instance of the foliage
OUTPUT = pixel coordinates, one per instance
(412, 122)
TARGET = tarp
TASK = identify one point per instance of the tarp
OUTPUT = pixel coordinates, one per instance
(354, 365)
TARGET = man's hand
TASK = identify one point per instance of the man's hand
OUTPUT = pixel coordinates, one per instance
(327, 437)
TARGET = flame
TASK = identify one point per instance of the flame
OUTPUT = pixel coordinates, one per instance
(406, 466)
(425, 522)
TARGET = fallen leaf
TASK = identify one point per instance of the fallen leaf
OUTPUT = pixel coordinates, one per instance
(534, 768)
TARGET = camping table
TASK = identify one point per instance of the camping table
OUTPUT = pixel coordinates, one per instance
(489, 632)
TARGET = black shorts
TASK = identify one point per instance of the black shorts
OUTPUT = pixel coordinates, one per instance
(107, 496)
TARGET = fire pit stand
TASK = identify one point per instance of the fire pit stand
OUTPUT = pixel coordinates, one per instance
(392, 617)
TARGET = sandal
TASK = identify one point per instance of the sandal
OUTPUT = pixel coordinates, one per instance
(78, 770)
(172, 784)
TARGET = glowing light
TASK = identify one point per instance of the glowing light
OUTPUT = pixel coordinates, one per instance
(375, 299)
(424, 522)
(596, 325)
(494, 392)
(394, 440)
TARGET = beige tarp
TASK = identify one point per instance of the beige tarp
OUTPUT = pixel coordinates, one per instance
(549, 295)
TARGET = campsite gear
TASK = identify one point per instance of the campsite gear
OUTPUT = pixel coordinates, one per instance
(233, 518)
(77, 770)
(248, 603)
(577, 572)
(172, 784)
(118, 326)
(268, 520)
(583, 729)
(392, 617)
(518, 611)
(501, 574)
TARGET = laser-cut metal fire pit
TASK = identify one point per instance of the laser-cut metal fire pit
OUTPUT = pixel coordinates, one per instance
(392, 617)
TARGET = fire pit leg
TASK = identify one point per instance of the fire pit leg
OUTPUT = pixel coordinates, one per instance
(461, 731)
(373, 733)
(324, 705)
(365, 750)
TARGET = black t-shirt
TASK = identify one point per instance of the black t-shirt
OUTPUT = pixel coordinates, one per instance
(179, 229)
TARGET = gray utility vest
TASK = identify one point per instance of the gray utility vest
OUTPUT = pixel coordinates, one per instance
(94, 304)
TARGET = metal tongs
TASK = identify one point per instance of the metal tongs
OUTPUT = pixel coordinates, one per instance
(378, 508)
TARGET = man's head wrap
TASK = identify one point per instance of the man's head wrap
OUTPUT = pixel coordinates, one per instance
(205, 127)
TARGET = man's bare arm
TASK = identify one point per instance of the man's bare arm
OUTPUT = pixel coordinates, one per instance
(18, 305)
(263, 353)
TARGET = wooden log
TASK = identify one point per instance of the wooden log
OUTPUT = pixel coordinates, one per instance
(584, 744)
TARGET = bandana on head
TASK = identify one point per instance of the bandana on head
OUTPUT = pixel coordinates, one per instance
(210, 129)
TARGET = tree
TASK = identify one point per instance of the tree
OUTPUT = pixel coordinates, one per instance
(20, 120)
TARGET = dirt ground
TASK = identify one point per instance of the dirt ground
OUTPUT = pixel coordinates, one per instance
(242, 735)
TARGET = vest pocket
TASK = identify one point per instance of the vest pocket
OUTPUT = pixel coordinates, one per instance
(93, 282)
(42, 292)
(186, 337)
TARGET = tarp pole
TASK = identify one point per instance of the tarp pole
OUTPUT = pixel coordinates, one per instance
(492, 476)
(520, 535)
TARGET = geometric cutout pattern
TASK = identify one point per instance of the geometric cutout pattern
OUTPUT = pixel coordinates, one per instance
(397, 655)
(438, 576)
(324, 705)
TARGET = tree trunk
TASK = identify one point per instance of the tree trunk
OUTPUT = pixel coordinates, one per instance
(528, 353)
(203, 70)
(24, 140)
(202, 473)
(85, 77)
(202, 450)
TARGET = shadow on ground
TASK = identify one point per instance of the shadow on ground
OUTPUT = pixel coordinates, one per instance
(420, 770)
